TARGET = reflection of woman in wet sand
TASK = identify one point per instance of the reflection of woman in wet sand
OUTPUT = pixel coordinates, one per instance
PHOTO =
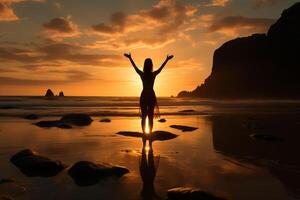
(148, 102)
(148, 173)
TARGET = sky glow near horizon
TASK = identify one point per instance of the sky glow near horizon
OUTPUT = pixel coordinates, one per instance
(77, 46)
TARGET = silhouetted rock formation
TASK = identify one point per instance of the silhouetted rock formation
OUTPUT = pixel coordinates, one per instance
(107, 120)
(86, 173)
(184, 128)
(53, 123)
(258, 66)
(162, 120)
(61, 94)
(154, 136)
(66, 121)
(32, 164)
(77, 119)
(49, 93)
(184, 193)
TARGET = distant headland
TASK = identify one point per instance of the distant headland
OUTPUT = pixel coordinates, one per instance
(258, 66)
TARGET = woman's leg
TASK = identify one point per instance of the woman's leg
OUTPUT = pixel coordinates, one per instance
(144, 115)
(150, 117)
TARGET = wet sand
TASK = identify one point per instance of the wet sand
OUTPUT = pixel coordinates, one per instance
(219, 157)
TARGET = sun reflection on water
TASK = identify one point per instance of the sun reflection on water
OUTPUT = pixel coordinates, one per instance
(147, 129)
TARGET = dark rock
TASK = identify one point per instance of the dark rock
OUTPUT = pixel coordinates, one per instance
(252, 67)
(31, 116)
(161, 136)
(130, 133)
(61, 94)
(105, 120)
(86, 173)
(183, 193)
(54, 123)
(154, 136)
(8, 107)
(77, 119)
(186, 111)
(49, 93)
(184, 128)
(162, 120)
(6, 180)
(266, 137)
(32, 164)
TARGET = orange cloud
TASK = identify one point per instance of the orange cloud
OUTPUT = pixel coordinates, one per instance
(57, 53)
(236, 25)
(7, 13)
(59, 28)
(219, 3)
(151, 28)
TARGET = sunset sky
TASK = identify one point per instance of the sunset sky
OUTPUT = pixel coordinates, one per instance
(77, 46)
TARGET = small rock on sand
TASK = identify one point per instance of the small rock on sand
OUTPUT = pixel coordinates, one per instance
(66, 121)
(186, 111)
(79, 119)
(32, 164)
(184, 193)
(54, 123)
(184, 128)
(154, 136)
(86, 173)
(162, 120)
(105, 120)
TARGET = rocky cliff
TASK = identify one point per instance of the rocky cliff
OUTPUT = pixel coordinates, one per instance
(258, 66)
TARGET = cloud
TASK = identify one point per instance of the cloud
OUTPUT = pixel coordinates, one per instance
(6, 11)
(261, 3)
(57, 53)
(71, 76)
(236, 25)
(221, 3)
(59, 28)
(158, 24)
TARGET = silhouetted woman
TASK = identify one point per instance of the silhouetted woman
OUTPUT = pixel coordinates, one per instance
(148, 100)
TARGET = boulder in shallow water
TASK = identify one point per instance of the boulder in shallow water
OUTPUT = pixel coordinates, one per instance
(187, 111)
(31, 116)
(79, 119)
(184, 128)
(266, 137)
(32, 164)
(86, 173)
(154, 136)
(162, 120)
(106, 120)
(54, 123)
(184, 193)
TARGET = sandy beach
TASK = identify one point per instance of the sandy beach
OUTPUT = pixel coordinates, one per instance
(221, 157)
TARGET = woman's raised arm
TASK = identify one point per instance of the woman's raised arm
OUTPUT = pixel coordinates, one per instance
(128, 55)
(169, 57)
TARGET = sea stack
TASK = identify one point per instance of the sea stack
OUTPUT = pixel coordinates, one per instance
(61, 94)
(49, 93)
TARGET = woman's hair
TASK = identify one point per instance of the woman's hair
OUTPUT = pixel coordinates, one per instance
(148, 66)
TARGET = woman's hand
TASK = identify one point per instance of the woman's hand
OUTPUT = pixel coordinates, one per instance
(127, 55)
(169, 57)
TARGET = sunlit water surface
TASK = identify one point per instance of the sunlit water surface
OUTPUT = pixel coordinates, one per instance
(219, 157)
